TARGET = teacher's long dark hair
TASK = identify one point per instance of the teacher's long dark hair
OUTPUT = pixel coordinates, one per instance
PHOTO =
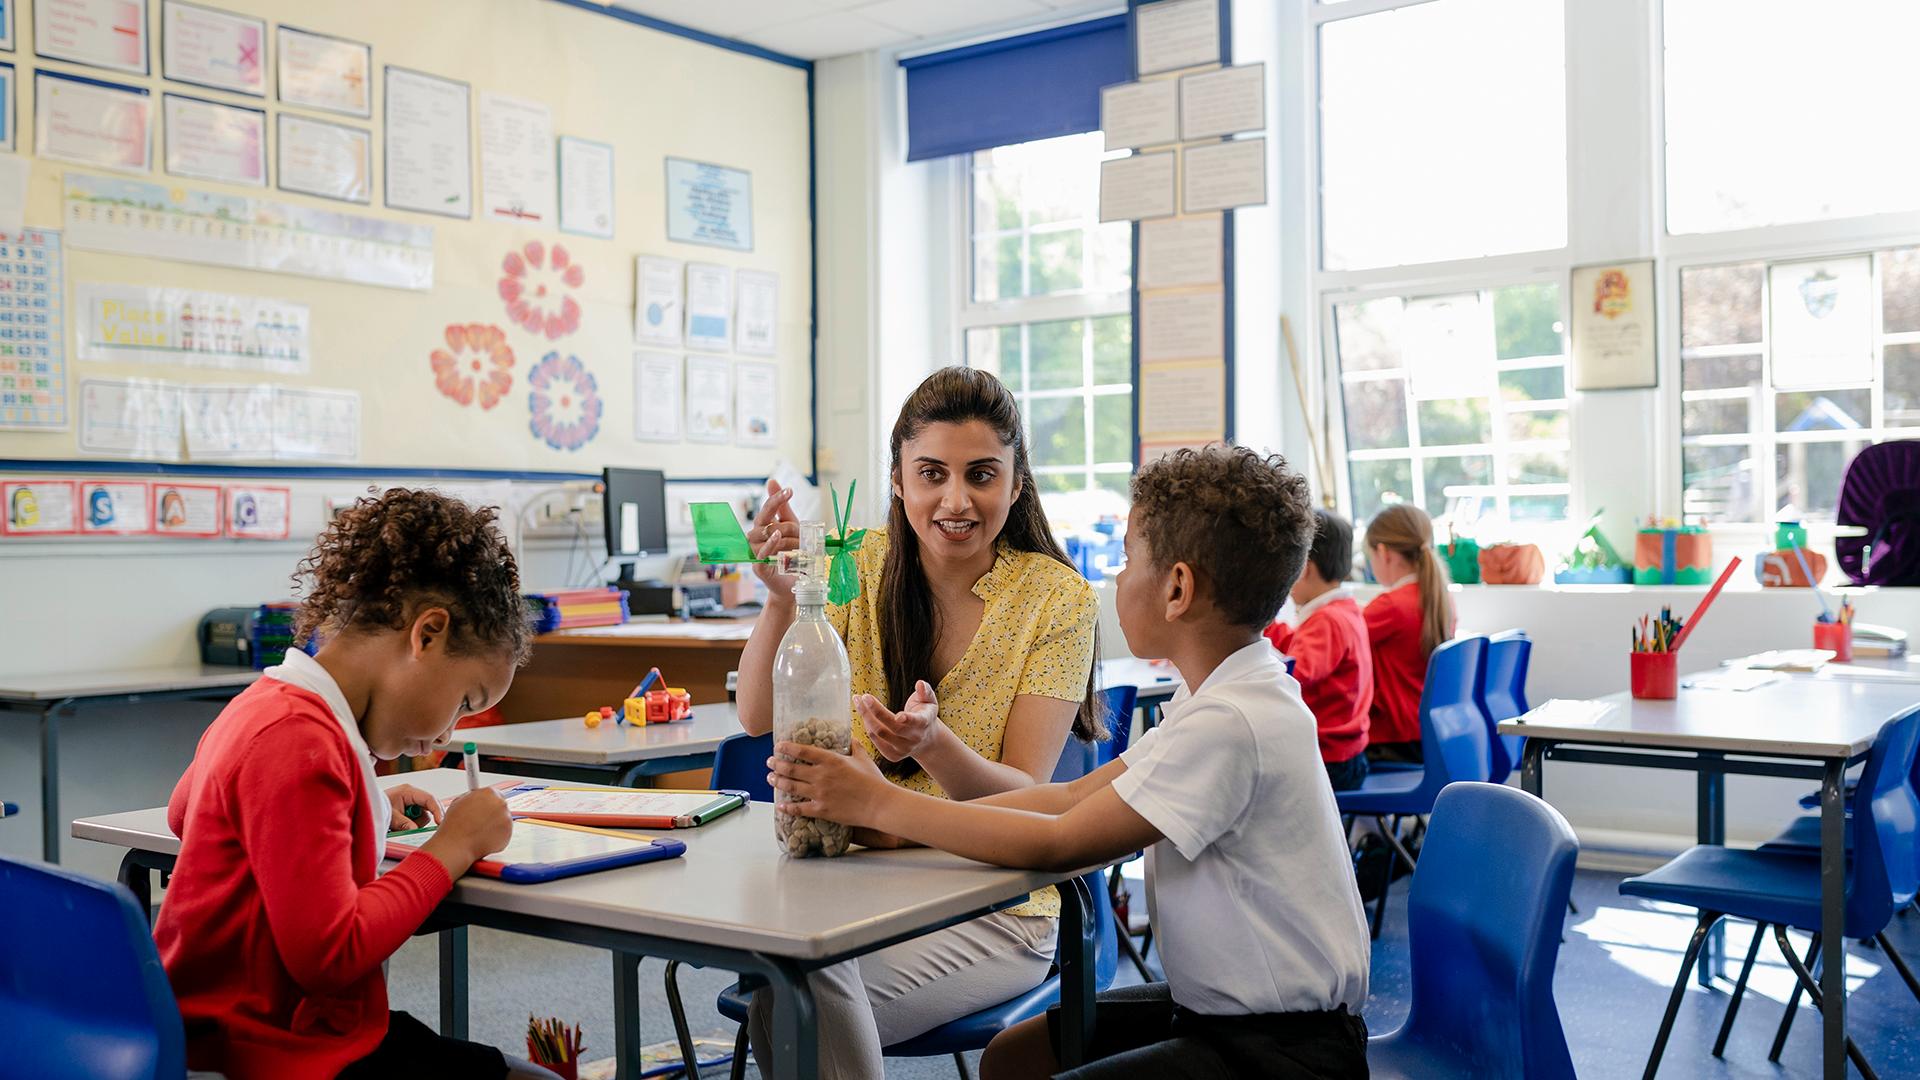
(955, 395)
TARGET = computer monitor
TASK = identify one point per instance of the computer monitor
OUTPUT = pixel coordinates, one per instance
(635, 510)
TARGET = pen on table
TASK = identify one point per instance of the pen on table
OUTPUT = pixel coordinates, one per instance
(473, 767)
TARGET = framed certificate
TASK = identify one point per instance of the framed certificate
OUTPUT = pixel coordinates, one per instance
(327, 73)
(217, 49)
(1613, 328)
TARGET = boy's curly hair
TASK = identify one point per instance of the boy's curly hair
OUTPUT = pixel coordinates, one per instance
(388, 556)
(1241, 521)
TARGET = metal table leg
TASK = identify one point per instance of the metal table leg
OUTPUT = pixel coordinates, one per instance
(453, 982)
(795, 1034)
(1532, 755)
(1076, 955)
(1833, 921)
(626, 1016)
(138, 880)
(1710, 827)
(50, 780)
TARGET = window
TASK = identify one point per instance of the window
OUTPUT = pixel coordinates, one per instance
(1458, 397)
(1770, 418)
(1443, 133)
(1049, 312)
(1781, 111)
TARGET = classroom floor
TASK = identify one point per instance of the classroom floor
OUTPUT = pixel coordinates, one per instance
(1615, 970)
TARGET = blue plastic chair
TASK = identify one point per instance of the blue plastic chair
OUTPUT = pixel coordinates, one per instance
(956, 1037)
(82, 993)
(1454, 740)
(1505, 697)
(1781, 888)
(1484, 920)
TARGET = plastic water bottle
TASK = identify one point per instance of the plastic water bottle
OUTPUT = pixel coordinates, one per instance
(812, 691)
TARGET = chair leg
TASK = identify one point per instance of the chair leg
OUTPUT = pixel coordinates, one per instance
(1739, 990)
(739, 1069)
(1793, 1002)
(1813, 994)
(1399, 848)
(1899, 963)
(678, 1009)
(1707, 919)
(960, 1062)
(1133, 953)
(1386, 881)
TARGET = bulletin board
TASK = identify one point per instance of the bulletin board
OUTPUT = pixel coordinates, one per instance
(645, 94)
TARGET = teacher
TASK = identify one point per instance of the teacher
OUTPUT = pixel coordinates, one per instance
(972, 645)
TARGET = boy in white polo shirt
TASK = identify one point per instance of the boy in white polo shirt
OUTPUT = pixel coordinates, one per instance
(1249, 881)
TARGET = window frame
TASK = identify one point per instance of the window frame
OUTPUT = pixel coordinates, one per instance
(1019, 313)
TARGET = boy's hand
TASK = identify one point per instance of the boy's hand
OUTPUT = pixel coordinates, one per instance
(846, 788)
(901, 735)
(474, 826)
(406, 795)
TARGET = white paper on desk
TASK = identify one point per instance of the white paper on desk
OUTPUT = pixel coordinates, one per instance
(1224, 102)
(130, 418)
(756, 312)
(659, 288)
(516, 160)
(1137, 114)
(14, 174)
(1137, 187)
(1176, 34)
(229, 423)
(656, 396)
(586, 187)
(315, 425)
(1183, 403)
(1180, 251)
(1220, 176)
(1738, 680)
(709, 399)
(1568, 712)
(709, 307)
(1182, 326)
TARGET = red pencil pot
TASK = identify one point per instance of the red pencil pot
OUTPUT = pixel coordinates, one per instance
(1656, 675)
(1835, 636)
(566, 1070)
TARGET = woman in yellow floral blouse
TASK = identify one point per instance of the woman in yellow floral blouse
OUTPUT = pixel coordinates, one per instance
(972, 645)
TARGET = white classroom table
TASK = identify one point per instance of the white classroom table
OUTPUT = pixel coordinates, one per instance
(734, 901)
(1155, 680)
(621, 754)
(53, 696)
(1807, 727)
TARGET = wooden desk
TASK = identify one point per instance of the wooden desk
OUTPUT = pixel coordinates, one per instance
(1808, 728)
(52, 696)
(572, 671)
(734, 901)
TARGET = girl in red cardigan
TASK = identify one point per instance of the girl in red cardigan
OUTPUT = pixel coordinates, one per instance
(276, 921)
(1404, 624)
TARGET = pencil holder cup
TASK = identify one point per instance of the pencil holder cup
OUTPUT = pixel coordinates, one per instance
(1655, 675)
(1834, 636)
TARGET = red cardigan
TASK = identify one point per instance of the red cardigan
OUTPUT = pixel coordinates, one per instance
(275, 925)
(1399, 667)
(1334, 666)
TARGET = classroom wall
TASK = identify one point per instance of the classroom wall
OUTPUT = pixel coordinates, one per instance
(649, 94)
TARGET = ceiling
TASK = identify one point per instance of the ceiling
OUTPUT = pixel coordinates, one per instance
(817, 29)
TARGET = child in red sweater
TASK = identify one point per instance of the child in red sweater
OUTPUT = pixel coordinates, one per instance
(1332, 660)
(276, 920)
(1404, 625)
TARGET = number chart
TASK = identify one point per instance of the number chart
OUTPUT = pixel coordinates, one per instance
(33, 361)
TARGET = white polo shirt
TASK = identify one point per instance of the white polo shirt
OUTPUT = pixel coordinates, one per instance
(1251, 892)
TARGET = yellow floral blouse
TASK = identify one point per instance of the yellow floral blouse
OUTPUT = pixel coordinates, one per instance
(1035, 637)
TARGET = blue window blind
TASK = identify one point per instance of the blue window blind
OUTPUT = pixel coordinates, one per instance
(1034, 86)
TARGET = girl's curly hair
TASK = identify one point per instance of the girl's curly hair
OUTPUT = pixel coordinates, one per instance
(389, 556)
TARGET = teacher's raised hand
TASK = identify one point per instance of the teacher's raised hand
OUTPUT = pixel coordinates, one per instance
(904, 734)
(773, 531)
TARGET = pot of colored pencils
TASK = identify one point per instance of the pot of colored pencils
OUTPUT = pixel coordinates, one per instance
(555, 1047)
(1654, 670)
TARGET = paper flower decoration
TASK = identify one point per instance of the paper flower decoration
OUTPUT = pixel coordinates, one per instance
(536, 284)
(565, 402)
(476, 359)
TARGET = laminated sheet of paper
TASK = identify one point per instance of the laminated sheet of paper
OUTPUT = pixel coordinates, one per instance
(315, 425)
(756, 403)
(1182, 326)
(657, 401)
(1139, 114)
(228, 423)
(1224, 102)
(709, 399)
(1137, 187)
(1822, 321)
(1176, 34)
(659, 300)
(757, 312)
(1221, 176)
(1187, 401)
(709, 307)
(1448, 345)
(516, 160)
(153, 325)
(1183, 251)
(130, 418)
